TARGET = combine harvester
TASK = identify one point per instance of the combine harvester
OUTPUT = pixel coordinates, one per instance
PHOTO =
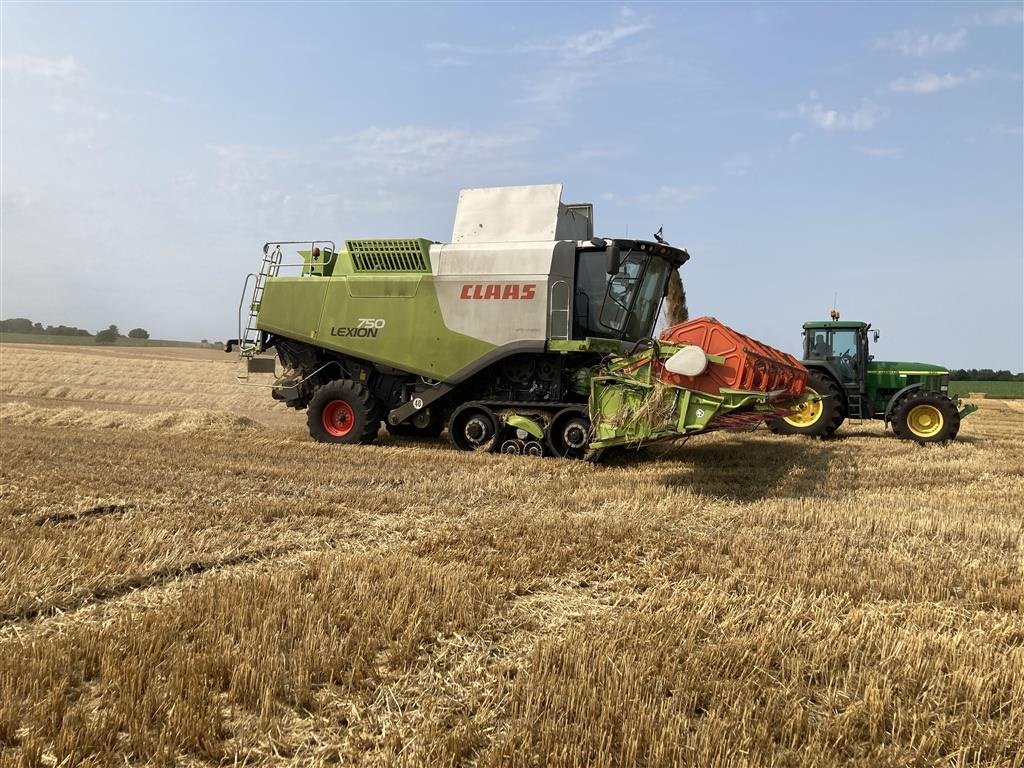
(525, 335)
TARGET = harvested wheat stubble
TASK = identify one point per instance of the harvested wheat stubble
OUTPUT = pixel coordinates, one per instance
(740, 600)
(191, 420)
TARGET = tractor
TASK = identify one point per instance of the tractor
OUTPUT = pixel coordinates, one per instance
(525, 334)
(851, 384)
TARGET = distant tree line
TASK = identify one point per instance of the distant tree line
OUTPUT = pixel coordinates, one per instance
(983, 374)
(24, 325)
(108, 335)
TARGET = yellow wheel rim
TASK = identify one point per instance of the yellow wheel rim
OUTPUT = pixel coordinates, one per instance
(807, 413)
(925, 420)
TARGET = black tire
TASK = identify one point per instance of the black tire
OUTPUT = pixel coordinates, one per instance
(343, 412)
(926, 417)
(474, 428)
(569, 433)
(425, 424)
(832, 414)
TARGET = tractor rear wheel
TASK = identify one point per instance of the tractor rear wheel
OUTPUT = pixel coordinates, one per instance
(816, 418)
(926, 417)
(343, 412)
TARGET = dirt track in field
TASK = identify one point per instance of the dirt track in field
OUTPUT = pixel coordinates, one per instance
(186, 578)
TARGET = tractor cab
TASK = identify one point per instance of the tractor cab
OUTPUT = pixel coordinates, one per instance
(841, 347)
(842, 344)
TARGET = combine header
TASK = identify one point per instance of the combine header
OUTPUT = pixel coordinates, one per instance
(525, 335)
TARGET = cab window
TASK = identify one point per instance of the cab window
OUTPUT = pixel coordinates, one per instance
(839, 346)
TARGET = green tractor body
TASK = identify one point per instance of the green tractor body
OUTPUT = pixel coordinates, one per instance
(524, 334)
(913, 397)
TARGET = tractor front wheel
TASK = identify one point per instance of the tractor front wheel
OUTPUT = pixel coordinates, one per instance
(343, 412)
(814, 418)
(926, 417)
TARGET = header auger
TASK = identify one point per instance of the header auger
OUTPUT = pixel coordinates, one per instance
(523, 335)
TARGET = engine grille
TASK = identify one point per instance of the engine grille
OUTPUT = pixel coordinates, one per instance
(392, 255)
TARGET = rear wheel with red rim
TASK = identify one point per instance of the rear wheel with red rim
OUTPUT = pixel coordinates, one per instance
(343, 412)
(338, 418)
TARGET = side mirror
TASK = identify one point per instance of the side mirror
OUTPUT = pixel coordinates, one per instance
(877, 336)
(612, 254)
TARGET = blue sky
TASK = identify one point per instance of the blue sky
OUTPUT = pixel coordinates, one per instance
(796, 150)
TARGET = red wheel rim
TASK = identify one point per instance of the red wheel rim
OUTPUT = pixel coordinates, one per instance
(338, 418)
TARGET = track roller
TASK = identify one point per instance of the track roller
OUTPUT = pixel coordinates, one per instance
(473, 428)
(569, 433)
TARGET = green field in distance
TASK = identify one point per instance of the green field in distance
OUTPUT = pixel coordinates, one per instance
(1004, 389)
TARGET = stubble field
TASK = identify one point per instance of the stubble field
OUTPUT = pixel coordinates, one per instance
(185, 578)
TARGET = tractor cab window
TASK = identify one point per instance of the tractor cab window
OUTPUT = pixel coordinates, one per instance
(838, 346)
(844, 350)
(818, 348)
(620, 306)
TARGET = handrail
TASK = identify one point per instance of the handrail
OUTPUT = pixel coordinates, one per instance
(311, 243)
(270, 266)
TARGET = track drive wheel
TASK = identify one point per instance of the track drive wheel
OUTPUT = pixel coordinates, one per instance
(343, 412)
(816, 418)
(425, 424)
(473, 428)
(926, 417)
(569, 433)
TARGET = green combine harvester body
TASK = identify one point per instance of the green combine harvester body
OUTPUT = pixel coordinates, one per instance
(913, 397)
(524, 334)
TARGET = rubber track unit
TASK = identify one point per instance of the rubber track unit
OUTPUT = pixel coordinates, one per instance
(492, 405)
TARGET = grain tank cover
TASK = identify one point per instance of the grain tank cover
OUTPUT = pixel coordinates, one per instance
(520, 215)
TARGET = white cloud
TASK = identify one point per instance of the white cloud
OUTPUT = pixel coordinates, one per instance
(411, 150)
(890, 153)
(597, 40)
(999, 17)
(863, 118)
(921, 45)
(738, 165)
(442, 47)
(930, 82)
(570, 47)
(555, 87)
(62, 69)
(562, 74)
(796, 137)
(666, 197)
(1008, 130)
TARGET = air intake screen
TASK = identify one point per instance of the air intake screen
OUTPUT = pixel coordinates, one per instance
(406, 255)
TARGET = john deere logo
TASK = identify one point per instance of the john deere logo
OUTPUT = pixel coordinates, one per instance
(499, 291)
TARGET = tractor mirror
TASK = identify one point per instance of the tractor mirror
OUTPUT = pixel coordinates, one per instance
(877, 336)
(612, 254)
